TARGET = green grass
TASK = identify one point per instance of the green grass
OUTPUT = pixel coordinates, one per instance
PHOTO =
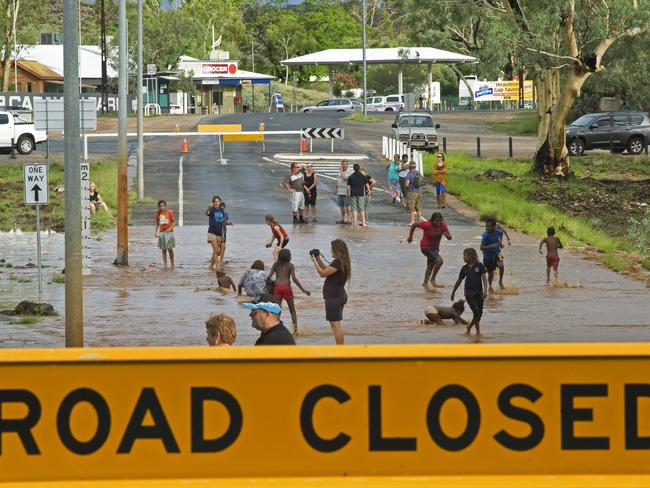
(13, 210)
(58, 278)
(27, 320)
(605, 166)
(509, 202)
(359, 117)
(19, 279)
(524, 123)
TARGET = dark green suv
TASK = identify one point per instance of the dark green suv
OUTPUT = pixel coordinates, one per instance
(619, 131)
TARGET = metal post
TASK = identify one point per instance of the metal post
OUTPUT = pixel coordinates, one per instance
(365, 69)
(72, 178)
(38, 253)
(332, 146)
(85, 139)
(13, 148)
(478, 147)
(140, 190)
(429, 87)
(180, 192)
(400, 79)
(47, 130)
(311, 145)
(510, 147)
(444, 145)
(330, 82)
(122, 258)
(294, 104)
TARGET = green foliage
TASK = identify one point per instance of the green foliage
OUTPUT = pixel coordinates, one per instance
(639, 233)
(19, 279)
(27, 320)
(58, 278)
(524, 123)
(359, 117)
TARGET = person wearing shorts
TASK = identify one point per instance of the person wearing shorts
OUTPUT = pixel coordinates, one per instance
(294, 184)
(218, 221)
(357, 182)
(553, 244)
(165, 223)
(413, 194)
(473, 273)
(440, 179)
(432, 232)
(491, 245)
(342, 199)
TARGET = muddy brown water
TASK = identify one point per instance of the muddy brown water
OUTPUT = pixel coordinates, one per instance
(144, 305)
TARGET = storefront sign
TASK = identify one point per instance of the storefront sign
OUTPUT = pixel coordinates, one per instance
(496, 91)
(218, 68)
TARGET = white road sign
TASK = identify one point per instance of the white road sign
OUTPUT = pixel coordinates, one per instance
(151, 69)
(86, 258)
(36, 184)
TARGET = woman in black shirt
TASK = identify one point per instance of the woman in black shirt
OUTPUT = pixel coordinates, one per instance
(336, 274)
(311, 192)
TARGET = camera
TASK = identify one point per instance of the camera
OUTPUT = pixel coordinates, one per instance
(314, 252)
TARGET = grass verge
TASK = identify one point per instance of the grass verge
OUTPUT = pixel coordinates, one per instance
(28, 320)
(14, 211)
(359, 117)
(521, 124)
(58, 278)
(516, 202)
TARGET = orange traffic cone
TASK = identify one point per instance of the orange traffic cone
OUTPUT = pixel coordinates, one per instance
(303, 145)
(185, 148)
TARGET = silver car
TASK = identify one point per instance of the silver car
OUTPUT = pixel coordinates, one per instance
(333, 105)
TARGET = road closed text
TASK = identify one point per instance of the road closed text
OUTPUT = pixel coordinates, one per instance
(324, 417)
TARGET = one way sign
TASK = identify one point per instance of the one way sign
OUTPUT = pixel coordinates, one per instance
(323, 133)
(36, 184)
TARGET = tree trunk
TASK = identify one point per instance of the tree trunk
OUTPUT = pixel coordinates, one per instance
(470, 105)
(8, 43)
(553, 106)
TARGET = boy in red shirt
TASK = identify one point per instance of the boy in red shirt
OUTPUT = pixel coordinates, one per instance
(432, 232)
(165, 223)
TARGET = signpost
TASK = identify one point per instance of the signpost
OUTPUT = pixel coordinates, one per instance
(323, 133)
(36, 193)
(151, 69)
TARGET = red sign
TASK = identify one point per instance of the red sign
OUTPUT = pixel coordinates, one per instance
(219, 68)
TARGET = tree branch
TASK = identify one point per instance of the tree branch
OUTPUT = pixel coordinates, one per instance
(558, 56)
(567, 28)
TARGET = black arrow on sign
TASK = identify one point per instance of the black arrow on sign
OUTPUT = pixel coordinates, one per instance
(36, 189)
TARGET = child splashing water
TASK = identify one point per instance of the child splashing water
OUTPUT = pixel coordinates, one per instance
(474, 274)
(285, 272)
(552, 257)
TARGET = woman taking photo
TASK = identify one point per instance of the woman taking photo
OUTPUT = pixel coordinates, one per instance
(336, 274)
(311, 192)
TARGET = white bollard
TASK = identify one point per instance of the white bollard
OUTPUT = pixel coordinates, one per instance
(383, 146)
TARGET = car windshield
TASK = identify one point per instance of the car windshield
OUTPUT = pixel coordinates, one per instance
(416, 121)
(355, 102)
(583, 121)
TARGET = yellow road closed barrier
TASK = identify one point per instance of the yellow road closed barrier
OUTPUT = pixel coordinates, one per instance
(218, 128)
(580, 411)
(243, 137)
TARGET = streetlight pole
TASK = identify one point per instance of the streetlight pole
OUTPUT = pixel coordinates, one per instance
(140, 192)
(365, 72)
(72, 177)
(122, 156)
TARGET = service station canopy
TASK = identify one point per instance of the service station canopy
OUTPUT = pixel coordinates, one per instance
(391, 55)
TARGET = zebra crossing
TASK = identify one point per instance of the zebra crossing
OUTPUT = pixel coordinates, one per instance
(327, 168)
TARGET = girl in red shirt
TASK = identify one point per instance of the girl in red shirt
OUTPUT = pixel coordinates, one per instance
(278, 233)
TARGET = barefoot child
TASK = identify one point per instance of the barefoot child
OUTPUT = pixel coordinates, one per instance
(225, 281)
(432, 232)
(285, 272)
(218, 220)
(491, 245)
(435, 314)
(552, 257)
(278, 233)
(475, 283)
(165, 222)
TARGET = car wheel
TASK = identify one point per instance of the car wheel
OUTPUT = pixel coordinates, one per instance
(25, 145)
(635, 145)
(576, 147)
(340, 111)
(388, 110)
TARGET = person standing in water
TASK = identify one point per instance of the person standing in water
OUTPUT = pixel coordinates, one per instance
(432, 232)
(394, 190)
(491, 245)
(310, 182)
(552, 257)
(165, 223)
(475, 283)
(217, 222)
(278, 233)
(285, 272)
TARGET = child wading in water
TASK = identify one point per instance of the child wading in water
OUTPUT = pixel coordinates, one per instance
(278, 233)
(165, 222)
(474, 274)
(285, 272)
(552, 257)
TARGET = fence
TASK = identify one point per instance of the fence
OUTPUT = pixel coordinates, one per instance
(390, 147)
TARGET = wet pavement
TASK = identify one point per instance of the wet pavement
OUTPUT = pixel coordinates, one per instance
(147, 306)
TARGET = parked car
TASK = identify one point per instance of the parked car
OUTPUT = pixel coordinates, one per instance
(18, 126)
(333, 105)
(394, 103)
(619, 130)
(421, 128)
(375, 104)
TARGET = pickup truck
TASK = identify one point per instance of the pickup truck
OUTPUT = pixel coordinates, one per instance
(18, 125)
(421, 127)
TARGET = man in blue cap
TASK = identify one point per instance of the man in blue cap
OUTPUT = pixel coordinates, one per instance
(265, 317)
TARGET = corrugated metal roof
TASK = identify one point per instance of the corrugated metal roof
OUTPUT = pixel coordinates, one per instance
(392, 55)
(90, 59)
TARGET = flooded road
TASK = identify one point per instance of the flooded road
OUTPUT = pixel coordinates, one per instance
(146, 306)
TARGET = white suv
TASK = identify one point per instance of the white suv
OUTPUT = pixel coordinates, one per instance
(394, 103)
